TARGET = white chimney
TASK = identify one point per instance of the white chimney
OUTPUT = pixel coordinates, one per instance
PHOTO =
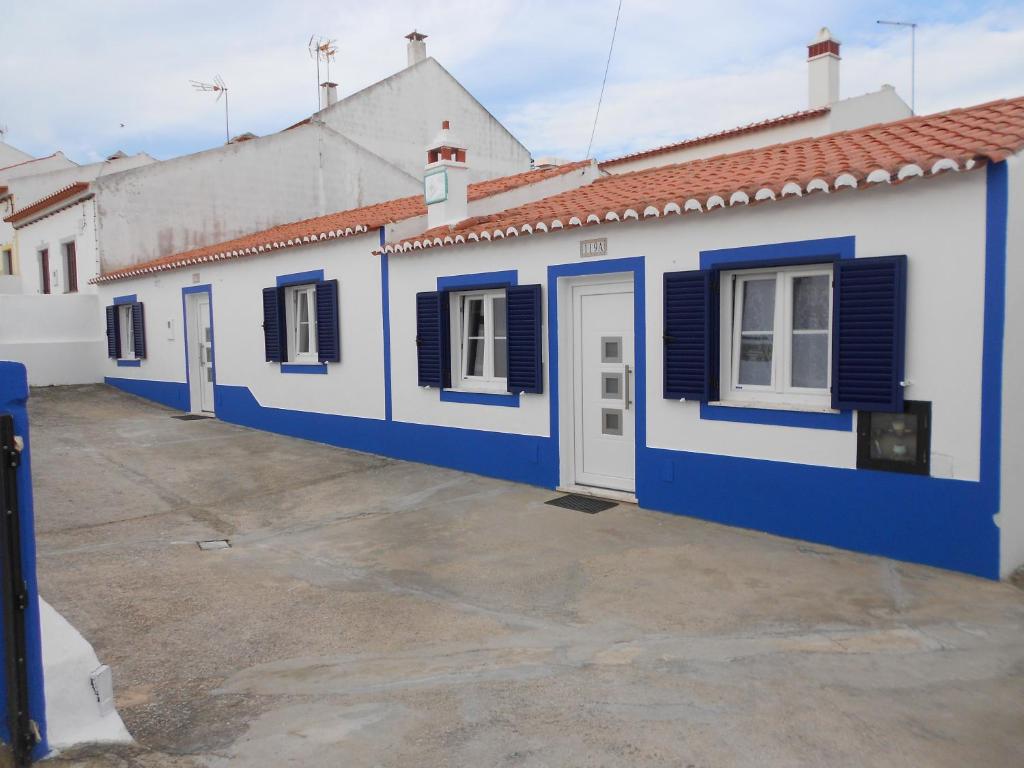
(823, 70)
(328, 94)
(417, 49)
(446, 180)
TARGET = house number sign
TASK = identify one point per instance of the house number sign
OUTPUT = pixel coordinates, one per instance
(596, 247)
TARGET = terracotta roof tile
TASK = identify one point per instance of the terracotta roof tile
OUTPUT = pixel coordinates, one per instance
(761, 125)
(887, 152)
(331, 226)
(62, 194)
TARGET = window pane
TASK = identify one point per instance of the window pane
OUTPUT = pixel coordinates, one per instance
(894, 436)
(475, 318)
(500, 320)
(810, 360)
(756, 359)
(501, 358)
(303, 338)
(475, 357)
(810, 303)
(303, 314)
(759, 305)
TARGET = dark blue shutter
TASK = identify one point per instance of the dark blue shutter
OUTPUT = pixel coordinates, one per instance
(139, 329)
(869, 327)
(113, 332)
(328, 337)
(432, 343)
(690, 336)
(525, 370)
(273, 325)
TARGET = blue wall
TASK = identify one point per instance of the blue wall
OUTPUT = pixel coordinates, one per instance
(940, 522)
(13, 400)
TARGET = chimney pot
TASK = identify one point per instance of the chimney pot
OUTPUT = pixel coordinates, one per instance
(416, 50)
(823, 70)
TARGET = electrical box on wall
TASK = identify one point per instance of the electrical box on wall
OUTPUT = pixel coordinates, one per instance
(170, 329)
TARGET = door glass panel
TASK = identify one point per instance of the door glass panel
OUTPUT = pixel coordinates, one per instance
(810, 360)
(209, 374)
(206, 333)
(611, 349)
(756, 359)
(611, 386)
(810, 303)
(611, 421)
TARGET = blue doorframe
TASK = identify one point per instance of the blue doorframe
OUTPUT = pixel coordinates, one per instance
(631, 265)
(185, 293)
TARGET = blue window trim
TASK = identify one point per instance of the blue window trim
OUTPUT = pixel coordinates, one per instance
(385, 308)
(472, 282)
(634, 265)
(206, 288)
(303, 367)
(120, 301)
(819, 251)
(129, 363)
(301, 278)
(129, 299)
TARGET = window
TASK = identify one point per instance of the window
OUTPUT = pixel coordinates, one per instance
(300, 309)
(479, 340)
(44, 271)
(896, 442)
(8, 262)
(777, 336)
(127, 331)
(70, 268)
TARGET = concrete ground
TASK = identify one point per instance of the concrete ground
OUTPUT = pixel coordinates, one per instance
(373, 612)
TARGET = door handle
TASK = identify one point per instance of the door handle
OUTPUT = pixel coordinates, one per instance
(625, 385)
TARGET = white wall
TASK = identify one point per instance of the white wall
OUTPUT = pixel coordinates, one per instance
(10, 155)
(222, 193)
(56, 337)
(398, 117)
(1011, 502)
(877, 107)
(76, 223)
(29, 188)
(353, 387)
(18, 172)
(939, 223)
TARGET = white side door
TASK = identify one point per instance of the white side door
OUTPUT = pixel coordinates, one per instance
(604, 413)
(203, 341)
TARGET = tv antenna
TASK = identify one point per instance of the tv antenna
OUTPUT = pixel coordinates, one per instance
(913, 55)
(218, 87)
(322, 49)
(3, 131)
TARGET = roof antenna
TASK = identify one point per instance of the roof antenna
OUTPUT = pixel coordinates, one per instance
(3, 132)
(322, 49)
(218, 87)
(913, 56)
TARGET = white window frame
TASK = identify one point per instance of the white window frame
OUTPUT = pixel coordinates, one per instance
(461, 379)
(127, 331)
(781, 392)
(291, 294)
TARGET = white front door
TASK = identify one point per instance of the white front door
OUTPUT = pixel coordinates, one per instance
(201, 341)
(603, 397)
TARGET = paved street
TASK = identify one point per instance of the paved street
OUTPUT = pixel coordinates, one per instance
(372, 612)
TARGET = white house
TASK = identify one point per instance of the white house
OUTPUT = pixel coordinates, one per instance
(363, 149)
(826, 113)
(806, 338)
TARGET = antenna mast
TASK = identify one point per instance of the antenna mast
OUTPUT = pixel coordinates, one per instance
(913, 56)
(322, 49)
(218, 87)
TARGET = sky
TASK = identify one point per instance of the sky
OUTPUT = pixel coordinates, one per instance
(73, 72)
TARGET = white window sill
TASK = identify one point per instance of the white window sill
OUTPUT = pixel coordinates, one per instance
(478, 390)
(803, 407)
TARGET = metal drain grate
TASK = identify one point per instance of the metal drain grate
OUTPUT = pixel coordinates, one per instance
(214, 544)
(191, 417)
(587, 504)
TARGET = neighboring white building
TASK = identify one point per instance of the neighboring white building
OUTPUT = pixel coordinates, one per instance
(675, 336)
(825, 113)
(363, 149)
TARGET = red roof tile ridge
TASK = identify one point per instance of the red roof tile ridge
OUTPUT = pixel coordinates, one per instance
(69, 190)
(957, 139)
(770, 122)
(330, 226)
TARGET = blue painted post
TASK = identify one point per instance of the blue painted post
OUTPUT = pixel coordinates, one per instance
(14, 400)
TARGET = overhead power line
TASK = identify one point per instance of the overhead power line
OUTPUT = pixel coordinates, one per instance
(604, 81)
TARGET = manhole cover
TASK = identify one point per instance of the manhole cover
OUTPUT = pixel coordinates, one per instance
(190, 417)
(214, 544)
(579, 503)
